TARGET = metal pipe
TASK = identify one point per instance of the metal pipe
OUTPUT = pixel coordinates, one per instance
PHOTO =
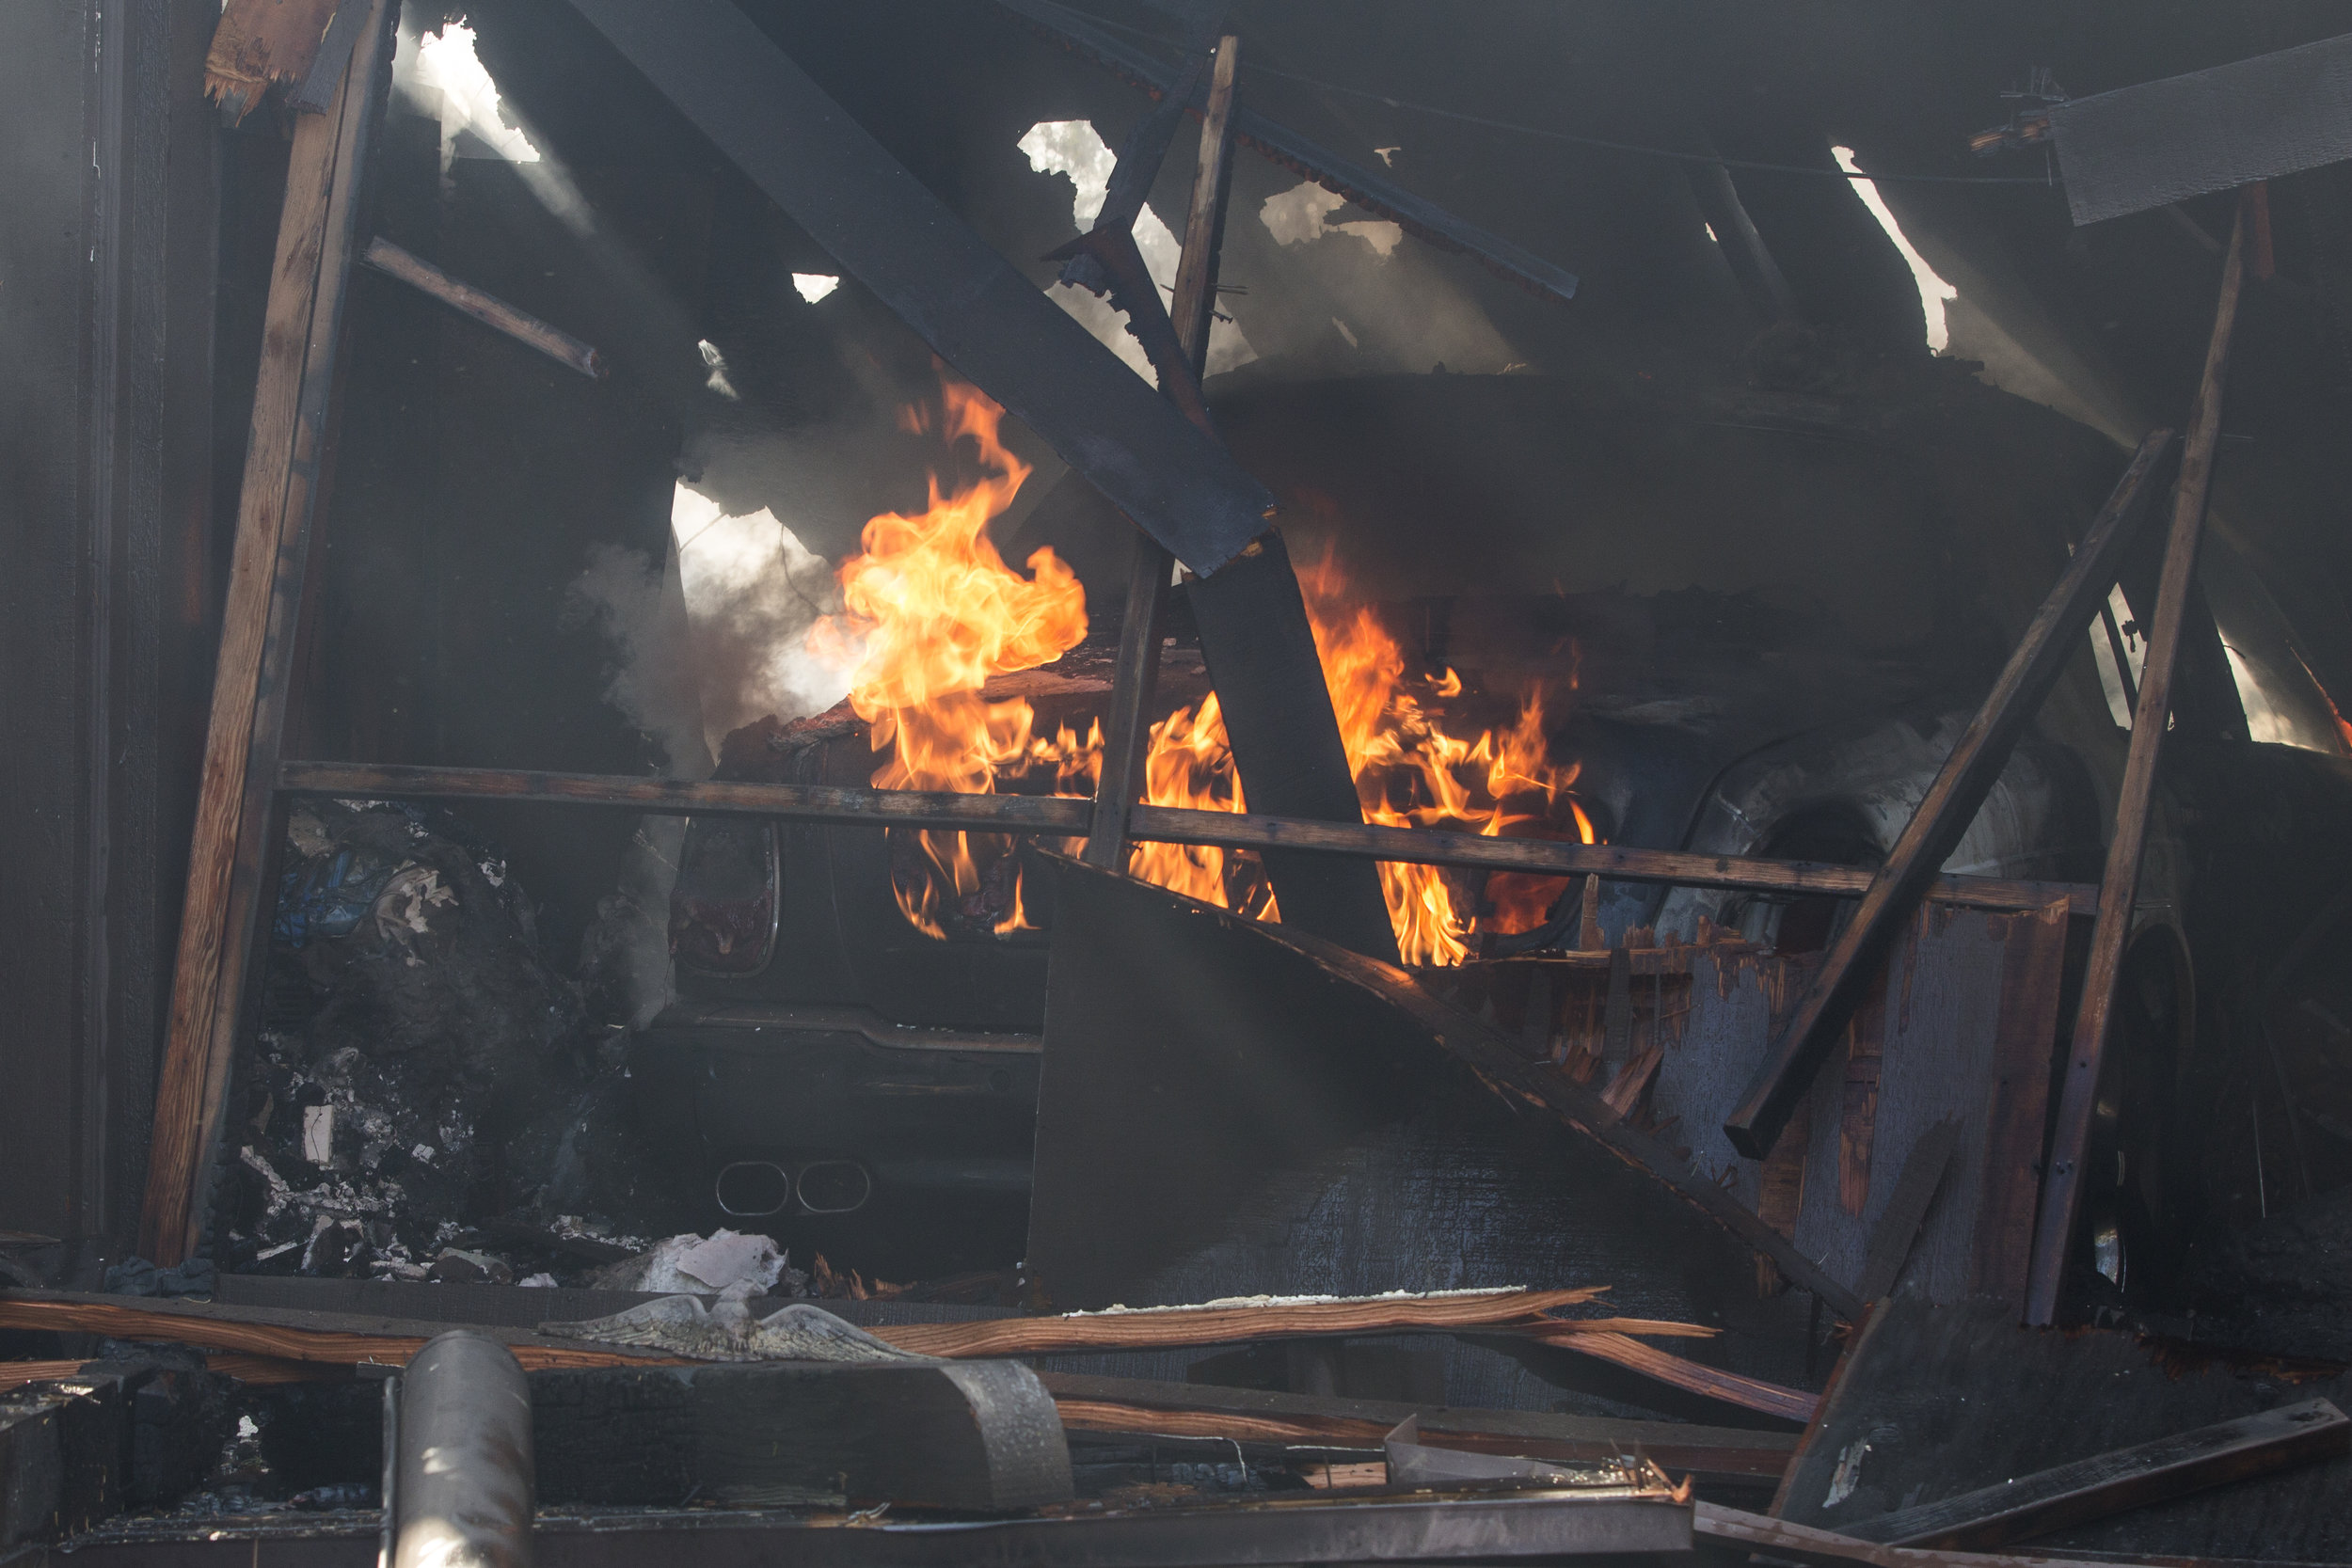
(462, 1482)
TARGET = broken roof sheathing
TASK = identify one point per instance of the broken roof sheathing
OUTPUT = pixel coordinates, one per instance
(975, 310)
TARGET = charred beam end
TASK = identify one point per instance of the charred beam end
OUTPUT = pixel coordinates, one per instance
(2109, 1483)
(1064, 817)
(1946, 811)
(980, 314)
(528, 330)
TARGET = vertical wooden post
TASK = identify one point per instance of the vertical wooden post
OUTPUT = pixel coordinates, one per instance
(1127, 730)
(1856, 957)
(225, 900)
(2061, 1188)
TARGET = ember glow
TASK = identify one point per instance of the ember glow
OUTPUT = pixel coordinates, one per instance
(933, 613)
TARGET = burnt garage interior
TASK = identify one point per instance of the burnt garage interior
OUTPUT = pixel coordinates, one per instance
(1176, 782)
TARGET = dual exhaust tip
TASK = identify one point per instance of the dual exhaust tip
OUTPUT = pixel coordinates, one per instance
(754, 1189)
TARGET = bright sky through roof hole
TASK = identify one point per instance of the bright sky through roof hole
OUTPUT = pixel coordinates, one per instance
(1933, 291)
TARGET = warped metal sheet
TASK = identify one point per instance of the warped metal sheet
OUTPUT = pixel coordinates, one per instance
(1284, 146)
(2159, 142)
(993, 324)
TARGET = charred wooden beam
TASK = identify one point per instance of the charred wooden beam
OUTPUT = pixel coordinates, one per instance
(1066, 816)
(2061, 1191)
(1090, 1403)
(262, 617)
(1127, 728)
(1779, 1541)
(1260, 649)
(982, 316)
(490, 310)
(2109, 1483)
(1943, 813)
(261, 41)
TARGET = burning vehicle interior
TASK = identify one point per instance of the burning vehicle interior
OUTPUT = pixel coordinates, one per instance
(1166, 782)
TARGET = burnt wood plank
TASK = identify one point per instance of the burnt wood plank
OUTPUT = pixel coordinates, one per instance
(1068, 818)
(2018, 1109)
(1127, 727)
(490, 310)
(1096, 1404)
(974, 308)
(2119, 885)
(258, 625)
(2093, 1488)
(1949, 805)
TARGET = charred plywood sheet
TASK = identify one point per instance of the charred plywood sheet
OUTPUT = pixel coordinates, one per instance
(1961, 1031)
(1219, 1115)
(1938, 1401)
(2159, 142)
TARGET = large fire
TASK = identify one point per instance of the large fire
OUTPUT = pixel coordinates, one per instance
(933, 612)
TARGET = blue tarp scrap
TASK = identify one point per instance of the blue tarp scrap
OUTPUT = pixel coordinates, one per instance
(327, 896)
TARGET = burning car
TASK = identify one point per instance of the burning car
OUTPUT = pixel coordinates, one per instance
(1749, 625)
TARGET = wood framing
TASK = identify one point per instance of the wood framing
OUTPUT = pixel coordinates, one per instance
(1948, 807)
(2061, 1192)
(306, 288)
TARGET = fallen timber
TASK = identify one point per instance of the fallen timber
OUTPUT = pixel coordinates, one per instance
(1858, 952)
(1066, 816)
(290, 1340)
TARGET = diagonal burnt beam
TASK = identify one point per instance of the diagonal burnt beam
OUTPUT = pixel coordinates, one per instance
(993, 325)
(1375, 194)
(1944, 814)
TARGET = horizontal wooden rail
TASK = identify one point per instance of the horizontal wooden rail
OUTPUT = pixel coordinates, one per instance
(1065, 816)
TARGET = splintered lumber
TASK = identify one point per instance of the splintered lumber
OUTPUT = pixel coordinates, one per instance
(2107, 1483)
(1127, 728)
(1944, 814)
(258, 625)
(1749, 1393)
(282, 1335)
(2119, 888)
(1164, 1327)
(1063, 816)
(16, 1374)
(975, 310)
(261, 41)
(282, 1341)
(1145, 1408)
(969, 1436)
(490, 310)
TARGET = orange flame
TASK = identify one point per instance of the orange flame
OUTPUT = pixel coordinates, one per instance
(933, 612)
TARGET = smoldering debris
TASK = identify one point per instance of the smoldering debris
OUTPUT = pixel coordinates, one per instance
(431, 1099)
